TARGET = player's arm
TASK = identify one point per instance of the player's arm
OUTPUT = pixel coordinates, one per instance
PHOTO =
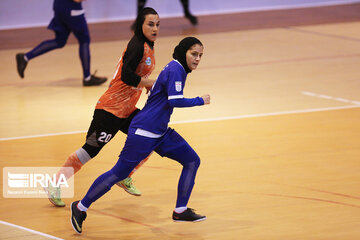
(176, 96)
(132, 58)
(190, 102)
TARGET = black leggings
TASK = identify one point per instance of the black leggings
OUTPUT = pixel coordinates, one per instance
(103, 128)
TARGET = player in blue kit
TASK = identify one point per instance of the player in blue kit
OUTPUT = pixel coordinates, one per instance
(149, 132)
(68, 17)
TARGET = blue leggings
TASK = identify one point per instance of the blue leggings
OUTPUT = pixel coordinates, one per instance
(136, 148)
(59, 42)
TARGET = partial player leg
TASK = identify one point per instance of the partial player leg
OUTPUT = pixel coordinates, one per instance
(140, 6)
(175, 147)
(44, 47)
(81, 32)
(71, 166)
(102, 129)
(187, 13)
(127, 183)
(135, 149)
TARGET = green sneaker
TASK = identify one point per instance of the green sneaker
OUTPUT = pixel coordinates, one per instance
(128, 186)
(54, 196)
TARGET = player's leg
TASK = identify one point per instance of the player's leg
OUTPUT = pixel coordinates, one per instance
(128, 184)
(140, 6)
(79, 27)
(23, 58)
(135, 149)
(187, 13)
(175, 147)
(102, 129)
(61, 35)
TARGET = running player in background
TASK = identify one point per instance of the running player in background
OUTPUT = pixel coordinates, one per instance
(68, 17)
(185, 5)
(149, 132)
(117, 106)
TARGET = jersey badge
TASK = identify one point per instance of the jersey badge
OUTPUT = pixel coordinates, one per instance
(178, 86)
(148, 61)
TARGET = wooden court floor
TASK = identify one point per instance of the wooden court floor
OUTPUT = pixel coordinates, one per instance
(279, 143)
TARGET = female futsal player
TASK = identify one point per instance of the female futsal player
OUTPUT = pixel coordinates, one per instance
(116, 107)
(149, 132)
(68, 17)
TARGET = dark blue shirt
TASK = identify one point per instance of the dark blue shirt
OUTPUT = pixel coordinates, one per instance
(66, 5)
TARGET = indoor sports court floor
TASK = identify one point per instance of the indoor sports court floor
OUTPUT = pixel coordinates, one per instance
(279, 142)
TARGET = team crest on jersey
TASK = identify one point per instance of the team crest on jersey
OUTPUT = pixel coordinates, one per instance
(148, 61)
(178, 86)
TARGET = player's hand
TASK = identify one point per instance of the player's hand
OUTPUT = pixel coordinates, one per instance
(78, 1)
(206, 98)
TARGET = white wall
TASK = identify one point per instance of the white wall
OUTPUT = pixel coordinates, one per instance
(31, 13)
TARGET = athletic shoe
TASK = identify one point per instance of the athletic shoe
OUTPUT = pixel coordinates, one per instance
(191, 18)
(94, 80)
(187, 216)
(77, 217)
(21, 64)
(54, 196)
(128, 186)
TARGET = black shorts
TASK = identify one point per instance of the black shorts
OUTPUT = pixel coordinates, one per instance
(105, 125)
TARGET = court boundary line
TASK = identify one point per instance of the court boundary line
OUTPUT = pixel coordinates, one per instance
(328, 97)
(202, 120)
(29, 230)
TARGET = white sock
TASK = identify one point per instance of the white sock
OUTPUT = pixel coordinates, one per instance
(180, 209)
(87, 78)
(81, 207)
(26, 59)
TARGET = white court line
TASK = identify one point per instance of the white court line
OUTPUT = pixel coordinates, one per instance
(330, 97)
(30, 230)
(42, 135)
(357, 104)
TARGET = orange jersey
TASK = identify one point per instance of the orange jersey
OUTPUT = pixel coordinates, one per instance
(120, 99)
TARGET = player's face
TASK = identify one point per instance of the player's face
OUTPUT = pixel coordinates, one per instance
(193, 56)
(151, 27)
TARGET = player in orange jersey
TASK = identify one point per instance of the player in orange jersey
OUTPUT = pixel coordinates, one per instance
(116, 107)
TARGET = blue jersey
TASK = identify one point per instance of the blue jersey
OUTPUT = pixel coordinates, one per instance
(69, 17)
(66, 5)
(155, 115)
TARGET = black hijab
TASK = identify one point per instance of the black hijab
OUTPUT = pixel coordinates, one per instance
(181, 49)
(140, 21)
